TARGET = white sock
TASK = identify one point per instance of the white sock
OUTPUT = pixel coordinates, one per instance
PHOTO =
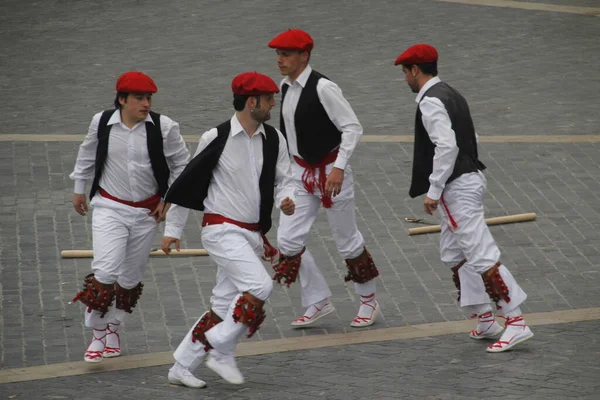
(113, 340)
(367, 306)
(478, 309)
(314, 308)
(99, 338)
(514, 313)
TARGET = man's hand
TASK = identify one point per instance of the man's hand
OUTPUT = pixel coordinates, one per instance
(333, 185)
(160, 212)
(80, 203)
(287, 206)
(430, 205)
(167, 242)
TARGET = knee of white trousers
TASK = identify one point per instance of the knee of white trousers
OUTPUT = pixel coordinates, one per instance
(288, 246)
(128, 282)
(472, 288)
(104, 276)
(516, 294)
(262, 290)
(352, 248)
(452, 263)
(190, 354)
(365, 289)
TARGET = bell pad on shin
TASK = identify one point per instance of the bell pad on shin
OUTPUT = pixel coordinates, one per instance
(96, 295)
(456, 277)
(361, 269)
(287, 268)
(494, 284)
(126, 299)
(249, 311)
(208, 321)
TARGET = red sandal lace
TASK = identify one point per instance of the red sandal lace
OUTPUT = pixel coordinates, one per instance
(358, 319)
(95, 354)
(113, 350)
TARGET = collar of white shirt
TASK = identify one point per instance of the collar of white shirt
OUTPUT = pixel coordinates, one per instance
(301, 79)
(426, 87)
(116, 118)
(236, 127)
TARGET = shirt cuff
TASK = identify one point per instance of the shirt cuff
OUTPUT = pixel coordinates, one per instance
(435, 192)
(173, 230)
(79, 186)
(340, 162)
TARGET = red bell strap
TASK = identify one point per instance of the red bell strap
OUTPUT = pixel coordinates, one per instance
(310, 179)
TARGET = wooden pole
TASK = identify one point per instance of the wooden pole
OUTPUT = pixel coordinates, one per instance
(153, 253)
(509, 219)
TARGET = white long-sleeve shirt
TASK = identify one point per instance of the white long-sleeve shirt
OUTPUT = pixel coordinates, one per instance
(234, 190)
(338, 110)
(127, 172)
(439, 127)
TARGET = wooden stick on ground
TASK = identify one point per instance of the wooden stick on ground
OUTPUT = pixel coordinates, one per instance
(509, 219)
(153, 253)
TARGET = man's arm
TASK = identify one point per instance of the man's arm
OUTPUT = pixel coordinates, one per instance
(439, 127)
(343, 117)
(86, 157)
(177, 216)
(85, 166)
(284, 184)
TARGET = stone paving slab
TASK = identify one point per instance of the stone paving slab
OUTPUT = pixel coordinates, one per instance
(523, 72)
(556, 258)
(560, 362)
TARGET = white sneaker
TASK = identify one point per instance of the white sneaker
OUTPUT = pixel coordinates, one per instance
(313, 314)
(225, 366)
(179, 375)
(366, 315)
(487, 328)
(516, 332)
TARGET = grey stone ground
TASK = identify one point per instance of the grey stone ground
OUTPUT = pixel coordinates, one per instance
(561, 362)
(523, 72)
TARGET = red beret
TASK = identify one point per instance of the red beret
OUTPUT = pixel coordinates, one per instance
(293, 39)
(135, 82)
(418, 54)
(253, 84)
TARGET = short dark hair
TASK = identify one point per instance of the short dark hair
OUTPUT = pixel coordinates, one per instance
(427, 68)
(239, 101)
(119, 95)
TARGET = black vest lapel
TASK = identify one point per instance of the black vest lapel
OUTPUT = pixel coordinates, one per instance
(267, 177)
(191, 187)
(154, 141)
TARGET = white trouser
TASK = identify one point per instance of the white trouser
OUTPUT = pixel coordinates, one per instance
(293, 231)
(236, 252)
(465, 235)
(122, 239)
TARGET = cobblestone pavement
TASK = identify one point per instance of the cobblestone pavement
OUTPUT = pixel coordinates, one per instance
(523, 72)
(561, 362)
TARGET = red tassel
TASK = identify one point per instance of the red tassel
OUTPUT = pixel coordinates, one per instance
(270, 252)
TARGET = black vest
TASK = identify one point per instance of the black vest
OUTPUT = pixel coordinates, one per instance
(191, 187)
(154, 140)
(467, 160)
(316, 134)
